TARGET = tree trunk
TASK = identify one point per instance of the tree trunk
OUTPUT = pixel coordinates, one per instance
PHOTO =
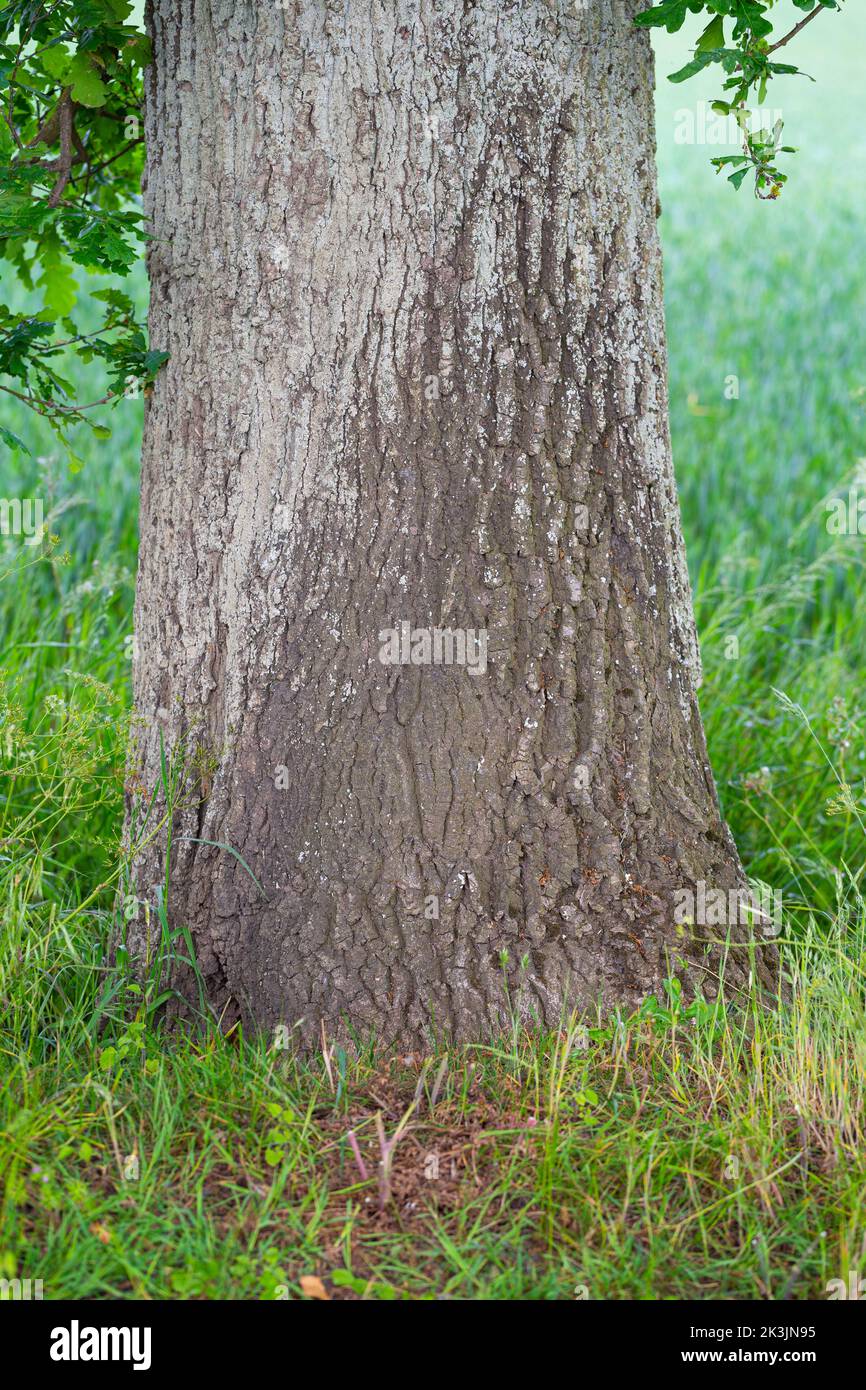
(406, 266)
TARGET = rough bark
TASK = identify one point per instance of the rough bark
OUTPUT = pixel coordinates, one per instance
(407, 268)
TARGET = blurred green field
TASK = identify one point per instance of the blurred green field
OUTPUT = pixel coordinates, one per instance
(772, 294)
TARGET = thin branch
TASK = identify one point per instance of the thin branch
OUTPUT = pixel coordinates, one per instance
(7, 116)
(796, 29)
(53, 406)
(53, 347)
(39, 12)
(97, 168)
(64, 164)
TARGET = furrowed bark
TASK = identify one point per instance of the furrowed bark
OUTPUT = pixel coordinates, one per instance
(407, 268)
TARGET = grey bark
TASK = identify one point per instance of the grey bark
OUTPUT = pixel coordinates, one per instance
(407, 268)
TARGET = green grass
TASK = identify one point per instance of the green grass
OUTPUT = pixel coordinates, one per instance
(681, 1153)
(678, 1153)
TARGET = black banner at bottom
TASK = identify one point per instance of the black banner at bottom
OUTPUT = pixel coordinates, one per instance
(84, 1340)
